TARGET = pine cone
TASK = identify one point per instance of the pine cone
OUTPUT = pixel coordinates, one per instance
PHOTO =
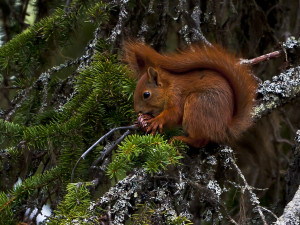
(142, 121)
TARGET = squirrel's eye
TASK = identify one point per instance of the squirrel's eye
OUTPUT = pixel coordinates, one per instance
(146, 94)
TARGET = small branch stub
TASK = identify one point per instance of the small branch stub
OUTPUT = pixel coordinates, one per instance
(140, 123)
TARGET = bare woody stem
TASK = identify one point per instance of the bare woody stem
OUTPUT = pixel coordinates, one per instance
(262, 58)
(131, 127)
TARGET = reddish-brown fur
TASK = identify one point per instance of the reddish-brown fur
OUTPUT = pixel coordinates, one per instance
(203, 89)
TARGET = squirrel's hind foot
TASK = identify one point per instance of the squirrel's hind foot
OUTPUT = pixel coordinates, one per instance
(196, 143)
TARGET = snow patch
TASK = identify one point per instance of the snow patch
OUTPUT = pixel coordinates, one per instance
(46, 212)
(18, 183)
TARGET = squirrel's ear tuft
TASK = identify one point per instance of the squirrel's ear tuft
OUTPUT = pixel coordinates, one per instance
(132, 54)
(139, 56)
(140, 63)
(152, 75)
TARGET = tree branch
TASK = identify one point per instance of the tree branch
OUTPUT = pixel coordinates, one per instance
(291, 213)
(281, 90)
(132, 127)
(44, 78)
(262, 58)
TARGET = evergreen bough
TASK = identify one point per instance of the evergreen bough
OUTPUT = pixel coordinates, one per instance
(73, 208)
(150, 152)
(57, 134)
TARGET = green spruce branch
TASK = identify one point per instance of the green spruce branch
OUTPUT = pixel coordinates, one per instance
(150, 152)
(15, 196)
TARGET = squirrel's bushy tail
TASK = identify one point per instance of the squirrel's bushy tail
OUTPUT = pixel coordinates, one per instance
(215, 58)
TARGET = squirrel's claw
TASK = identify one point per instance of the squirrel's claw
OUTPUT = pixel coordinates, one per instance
(154, 125)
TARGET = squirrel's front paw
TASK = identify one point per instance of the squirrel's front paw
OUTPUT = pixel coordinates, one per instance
(154, 125)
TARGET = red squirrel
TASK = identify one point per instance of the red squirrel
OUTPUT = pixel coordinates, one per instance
(203, 89)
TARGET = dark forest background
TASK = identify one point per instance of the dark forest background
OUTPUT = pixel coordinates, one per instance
(63, 84)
